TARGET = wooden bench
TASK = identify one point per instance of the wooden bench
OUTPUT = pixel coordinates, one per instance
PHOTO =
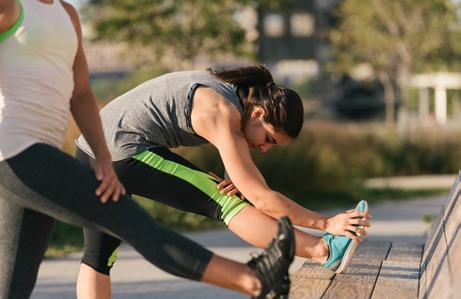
(384, 269)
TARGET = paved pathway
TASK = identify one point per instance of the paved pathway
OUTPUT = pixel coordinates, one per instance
(133, 277)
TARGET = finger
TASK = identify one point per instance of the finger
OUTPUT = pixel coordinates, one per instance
(361, 232)
(229, 188)
(352, 236)
(353, 221)
(223, 184)
(123, 189)
(116, 194)
(98, 172)
(357, 230)
(106, 183)
(215, 176)
(365, 223)
(351, 228)
(103, 186)
(119, 190)
(357, 214)
(108, 191)
(233, 192)
(358, 221)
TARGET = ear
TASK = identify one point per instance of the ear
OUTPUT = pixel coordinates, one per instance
(257, 112)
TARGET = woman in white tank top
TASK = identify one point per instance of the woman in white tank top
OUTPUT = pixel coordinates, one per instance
(43, 75)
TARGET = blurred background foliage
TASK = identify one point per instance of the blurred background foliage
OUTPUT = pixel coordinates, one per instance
(395, 39)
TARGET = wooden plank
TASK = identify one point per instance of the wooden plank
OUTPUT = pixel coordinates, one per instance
(408, 252)
(397, 280)
(358, 283)
(359, 278)
(453, 234)
(456, 187)
(432, 239)
(436, 227)
(308, 288)
(399, 274)
(453, 219)
(454, 258)
(372, 249)
(437, 273)
(422, 281)
(312, 270)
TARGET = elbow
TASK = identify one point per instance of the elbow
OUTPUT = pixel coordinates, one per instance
(265, 203)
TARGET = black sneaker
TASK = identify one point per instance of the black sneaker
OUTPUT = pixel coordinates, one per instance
(271, 266)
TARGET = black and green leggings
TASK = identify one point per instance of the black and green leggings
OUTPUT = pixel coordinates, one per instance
(160, 175)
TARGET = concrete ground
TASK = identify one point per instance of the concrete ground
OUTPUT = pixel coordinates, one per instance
(133, 277)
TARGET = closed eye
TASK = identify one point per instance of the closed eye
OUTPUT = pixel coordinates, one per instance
(269, 139)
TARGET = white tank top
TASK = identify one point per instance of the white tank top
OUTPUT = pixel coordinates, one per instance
(36, 78)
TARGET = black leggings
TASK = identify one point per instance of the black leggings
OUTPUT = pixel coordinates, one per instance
(43, 183)
(160, 175)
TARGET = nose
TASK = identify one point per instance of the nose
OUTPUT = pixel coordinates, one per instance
(265, 147)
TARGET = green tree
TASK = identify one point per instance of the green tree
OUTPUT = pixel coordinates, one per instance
(179, 31)
(395, 38)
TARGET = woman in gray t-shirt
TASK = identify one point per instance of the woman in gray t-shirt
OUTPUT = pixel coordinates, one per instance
(235, 110)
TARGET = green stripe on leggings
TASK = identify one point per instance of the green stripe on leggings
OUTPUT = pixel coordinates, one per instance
(230, 205)
(10, 31)
(112, 258)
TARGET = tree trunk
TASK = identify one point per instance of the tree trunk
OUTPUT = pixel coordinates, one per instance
(389, 97)
(403, 87)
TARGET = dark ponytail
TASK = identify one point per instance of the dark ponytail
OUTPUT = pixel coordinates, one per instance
(283, 106)
(245, 77)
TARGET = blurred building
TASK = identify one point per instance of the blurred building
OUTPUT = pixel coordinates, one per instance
(293, 37)
(432, 102)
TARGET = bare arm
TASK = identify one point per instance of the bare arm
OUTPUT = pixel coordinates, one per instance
(9, 13)
(245, 175)
(217, 121)
(86, 114)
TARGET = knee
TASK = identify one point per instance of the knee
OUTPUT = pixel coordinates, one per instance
(100, 252)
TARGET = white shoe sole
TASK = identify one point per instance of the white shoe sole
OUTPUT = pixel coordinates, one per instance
(349, 252)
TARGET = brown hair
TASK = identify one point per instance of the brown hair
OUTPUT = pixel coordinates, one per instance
(283, 107)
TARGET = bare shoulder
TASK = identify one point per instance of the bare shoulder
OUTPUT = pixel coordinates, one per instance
(215, 106)
(213, 116)
(73, 14)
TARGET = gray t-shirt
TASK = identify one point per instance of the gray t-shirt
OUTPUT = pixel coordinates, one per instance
(157, 113)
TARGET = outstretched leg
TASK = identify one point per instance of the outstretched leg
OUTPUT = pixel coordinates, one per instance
(257, 229)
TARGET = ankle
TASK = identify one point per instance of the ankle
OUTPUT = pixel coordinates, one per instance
(322, 251)
(251, 283)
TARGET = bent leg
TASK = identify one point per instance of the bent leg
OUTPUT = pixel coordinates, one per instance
(99, 254)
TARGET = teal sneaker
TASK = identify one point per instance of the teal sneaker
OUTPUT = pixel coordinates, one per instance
(341, 248)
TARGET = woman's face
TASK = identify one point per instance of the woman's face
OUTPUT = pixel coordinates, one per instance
(261, 135)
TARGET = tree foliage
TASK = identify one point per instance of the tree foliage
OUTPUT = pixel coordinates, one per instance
(395, 38)
(180, 30)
